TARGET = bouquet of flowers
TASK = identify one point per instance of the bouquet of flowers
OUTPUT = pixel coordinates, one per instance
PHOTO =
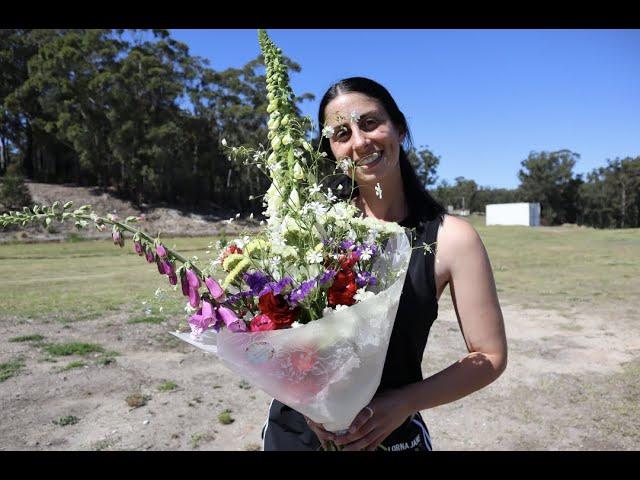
(305, 308)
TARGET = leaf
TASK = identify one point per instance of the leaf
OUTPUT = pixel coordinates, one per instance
(131, 219)
(67, 205)
(55, 205)
(47, 222)
(66, 215)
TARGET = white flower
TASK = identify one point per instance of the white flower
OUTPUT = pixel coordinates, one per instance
(378, 191)
(330, 196)
(345, 164)
(366, 254)
(296, 325)
(362, 294)
(237, 215)
(224, 142)
(328, 131)
(314, 257)
(354, 117)
(314, 189)
(229, 221)
(341, 307)
(339, 187)
(275, 261)
(251, 216)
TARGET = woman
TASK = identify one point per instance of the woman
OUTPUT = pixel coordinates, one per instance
(362, 124)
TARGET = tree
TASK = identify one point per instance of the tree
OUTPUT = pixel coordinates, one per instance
(425, 163)
(547, 178)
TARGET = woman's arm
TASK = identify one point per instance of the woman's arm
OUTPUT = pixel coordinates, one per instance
(464, 261)
(477, 308)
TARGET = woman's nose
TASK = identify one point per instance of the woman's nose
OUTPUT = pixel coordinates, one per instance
(360, 140)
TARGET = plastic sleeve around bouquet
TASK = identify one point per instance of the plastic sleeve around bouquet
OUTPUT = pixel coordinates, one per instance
(328, 369)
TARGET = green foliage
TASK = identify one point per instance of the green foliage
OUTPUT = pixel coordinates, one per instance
(10, 369)
(36, 337)
(131, 110)
(147, 319)
(66, 420)
(14, 193)
(72, 365)
(167, 386)
(425, 163)
(73, 348)
(547, 178)
(225, 417)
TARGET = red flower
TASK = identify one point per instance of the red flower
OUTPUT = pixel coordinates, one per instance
(343, 289)
(262, 323)
(277, 308)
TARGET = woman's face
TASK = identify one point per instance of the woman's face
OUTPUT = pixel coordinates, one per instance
(363, 132)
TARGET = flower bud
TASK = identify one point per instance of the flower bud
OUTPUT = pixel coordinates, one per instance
(214, 288)
(173, 278)
(138, 248)
(161, 251)
(150, 256)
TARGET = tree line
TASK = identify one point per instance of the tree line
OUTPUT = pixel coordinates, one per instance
(134, 111)
(606, 197)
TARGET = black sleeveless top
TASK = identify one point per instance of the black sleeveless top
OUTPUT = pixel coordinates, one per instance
(417, 310)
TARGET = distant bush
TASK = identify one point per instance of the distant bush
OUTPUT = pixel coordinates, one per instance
(14, 193)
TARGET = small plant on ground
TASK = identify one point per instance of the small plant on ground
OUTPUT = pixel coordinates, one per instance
(73, 348)
(72, 365)
(167, 386)
(137, 400)
(10, 369)
(28, 338)
(225, 417)
(147, 319)
(67, 420)
(244, 384)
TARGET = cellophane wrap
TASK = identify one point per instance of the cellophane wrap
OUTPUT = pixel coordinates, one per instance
(328, 369)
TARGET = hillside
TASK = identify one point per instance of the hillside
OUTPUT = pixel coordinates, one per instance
(157, 219)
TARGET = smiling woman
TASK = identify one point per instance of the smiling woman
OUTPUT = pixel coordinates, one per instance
(364, 131)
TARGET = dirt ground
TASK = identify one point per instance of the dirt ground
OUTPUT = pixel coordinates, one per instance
(571, 383)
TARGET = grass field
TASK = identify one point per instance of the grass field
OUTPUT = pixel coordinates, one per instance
(76, 280)
(542, 267)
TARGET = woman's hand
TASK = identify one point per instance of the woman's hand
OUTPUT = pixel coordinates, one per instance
(375, 422)
(323, 435)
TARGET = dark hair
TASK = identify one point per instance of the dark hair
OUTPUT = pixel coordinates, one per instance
(421, 203)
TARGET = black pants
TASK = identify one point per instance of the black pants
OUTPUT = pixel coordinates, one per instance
(286, 429)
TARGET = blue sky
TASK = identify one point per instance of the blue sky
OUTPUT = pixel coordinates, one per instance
(479, 99)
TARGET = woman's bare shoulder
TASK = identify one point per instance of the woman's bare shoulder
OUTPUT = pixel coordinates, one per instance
(456, 238)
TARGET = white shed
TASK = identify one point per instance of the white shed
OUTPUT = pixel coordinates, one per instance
(513, 214)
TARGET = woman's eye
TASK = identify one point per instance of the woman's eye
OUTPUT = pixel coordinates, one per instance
(370, 123)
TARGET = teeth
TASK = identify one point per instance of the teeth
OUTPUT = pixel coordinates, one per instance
(370, 159)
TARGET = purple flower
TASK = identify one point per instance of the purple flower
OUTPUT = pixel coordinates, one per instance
(214, 288)
(168, 267)
(137, 246)
(326, 277)
(276, 287)
(160, 265)
(229, 318)
(347, 245)
(173, 278)
(184, 284)
(194, 297)
(256, 281)
(299, 294)
(150, 256)
(193, 279)
(202, 320)
(161, 251)
(365, 278)
(118, 239)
